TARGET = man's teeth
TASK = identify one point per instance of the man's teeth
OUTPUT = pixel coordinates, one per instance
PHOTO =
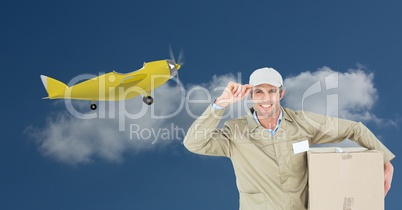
(265, 106)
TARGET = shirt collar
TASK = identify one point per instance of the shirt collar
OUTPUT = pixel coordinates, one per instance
(277, 123)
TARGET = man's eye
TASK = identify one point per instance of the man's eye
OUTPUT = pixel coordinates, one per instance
(272, 91)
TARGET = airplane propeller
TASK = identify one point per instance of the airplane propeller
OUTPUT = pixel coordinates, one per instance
(174, 67)
(180, 60)
(180, 63)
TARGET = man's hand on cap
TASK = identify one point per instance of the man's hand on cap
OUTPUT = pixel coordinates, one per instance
(233, 92)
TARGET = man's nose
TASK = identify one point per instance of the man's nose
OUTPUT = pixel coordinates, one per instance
(266, 97)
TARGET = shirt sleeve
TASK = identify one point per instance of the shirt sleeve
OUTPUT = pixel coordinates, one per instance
(203, 137)
(216, 107)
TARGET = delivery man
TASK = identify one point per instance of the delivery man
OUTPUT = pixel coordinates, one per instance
(269, 173)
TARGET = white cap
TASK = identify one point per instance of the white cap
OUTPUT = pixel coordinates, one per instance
(266, 76)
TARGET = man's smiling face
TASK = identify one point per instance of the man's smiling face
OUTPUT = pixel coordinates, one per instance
(266, 99)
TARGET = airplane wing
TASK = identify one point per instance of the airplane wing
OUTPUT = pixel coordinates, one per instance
(133, 79)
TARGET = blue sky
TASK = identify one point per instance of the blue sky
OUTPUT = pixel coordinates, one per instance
(362, 40)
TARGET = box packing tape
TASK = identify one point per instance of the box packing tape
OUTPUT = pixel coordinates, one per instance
(348, 203)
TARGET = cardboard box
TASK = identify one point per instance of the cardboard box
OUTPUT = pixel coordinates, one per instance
(347, 179)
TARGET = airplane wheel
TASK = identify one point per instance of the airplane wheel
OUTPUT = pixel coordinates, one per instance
(93, 106)
(148, 100)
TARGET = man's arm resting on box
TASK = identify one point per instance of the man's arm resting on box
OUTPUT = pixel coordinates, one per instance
(324, 133)
(327, 129)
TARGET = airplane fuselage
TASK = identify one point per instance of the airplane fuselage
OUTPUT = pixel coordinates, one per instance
(115, 86)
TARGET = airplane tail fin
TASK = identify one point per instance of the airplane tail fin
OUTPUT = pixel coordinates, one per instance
(53, 87)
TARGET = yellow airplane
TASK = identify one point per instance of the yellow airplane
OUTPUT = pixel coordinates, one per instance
(115, 86)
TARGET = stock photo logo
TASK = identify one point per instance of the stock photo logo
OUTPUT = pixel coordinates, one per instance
(79, 134)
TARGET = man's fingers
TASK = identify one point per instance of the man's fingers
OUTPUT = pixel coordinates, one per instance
(241, 92)
(232, 87)
(232, 93)
(248, 87)
(388, 173)
(246, 90)
(387, 187)
(238, 90)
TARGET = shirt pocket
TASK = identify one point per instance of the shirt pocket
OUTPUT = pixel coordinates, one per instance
(252, 201)
(298, 161)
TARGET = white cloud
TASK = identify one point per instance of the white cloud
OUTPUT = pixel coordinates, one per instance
(126, 126)
(350, 95)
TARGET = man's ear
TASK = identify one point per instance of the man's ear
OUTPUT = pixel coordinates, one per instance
(282, 94)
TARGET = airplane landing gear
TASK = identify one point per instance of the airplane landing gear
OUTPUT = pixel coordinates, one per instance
(148, 100)
(93, 106)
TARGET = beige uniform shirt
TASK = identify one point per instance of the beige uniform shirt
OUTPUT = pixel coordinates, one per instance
(268, 174)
